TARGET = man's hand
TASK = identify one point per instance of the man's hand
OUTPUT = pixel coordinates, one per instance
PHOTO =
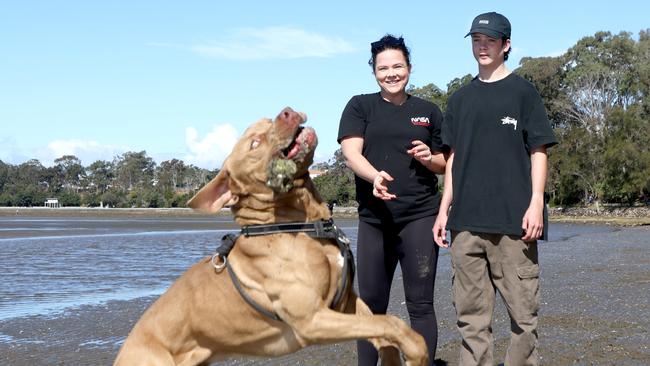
(533, 222)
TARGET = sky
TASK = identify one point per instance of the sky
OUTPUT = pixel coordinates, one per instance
(183, 80)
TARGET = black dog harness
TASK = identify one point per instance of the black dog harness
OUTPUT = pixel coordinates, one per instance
(323, 229)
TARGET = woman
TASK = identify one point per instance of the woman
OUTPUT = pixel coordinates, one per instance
(391, 141)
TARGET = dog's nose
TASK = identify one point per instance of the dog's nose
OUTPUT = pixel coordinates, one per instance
(288, 115)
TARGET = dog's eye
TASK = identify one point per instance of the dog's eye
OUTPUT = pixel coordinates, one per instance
(255, 143)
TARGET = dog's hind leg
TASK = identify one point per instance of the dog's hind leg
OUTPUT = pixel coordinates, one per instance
(143, 355)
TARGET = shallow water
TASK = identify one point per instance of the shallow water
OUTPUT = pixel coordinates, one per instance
(52, 264)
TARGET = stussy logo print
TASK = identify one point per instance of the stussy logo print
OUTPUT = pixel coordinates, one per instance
(509, 121)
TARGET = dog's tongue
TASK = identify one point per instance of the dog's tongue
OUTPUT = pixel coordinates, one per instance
(304, 142)
(295, 149)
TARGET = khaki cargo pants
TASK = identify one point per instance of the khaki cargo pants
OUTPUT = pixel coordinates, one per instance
(481, 264)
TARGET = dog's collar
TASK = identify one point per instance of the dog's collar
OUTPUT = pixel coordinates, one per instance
(317, 229)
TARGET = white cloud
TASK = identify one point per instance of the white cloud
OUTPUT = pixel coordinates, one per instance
(210, 151)
(87, 151)
(273, 43)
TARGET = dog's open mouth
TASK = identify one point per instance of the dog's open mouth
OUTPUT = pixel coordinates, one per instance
(282, 170)
(303, 142)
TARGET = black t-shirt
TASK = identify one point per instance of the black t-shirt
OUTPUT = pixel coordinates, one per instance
(387, 131)
(492, 128)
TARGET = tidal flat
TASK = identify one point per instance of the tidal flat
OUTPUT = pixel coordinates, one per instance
(74, 285)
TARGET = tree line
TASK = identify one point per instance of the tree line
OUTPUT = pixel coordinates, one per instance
(596, 94)
(132, 179)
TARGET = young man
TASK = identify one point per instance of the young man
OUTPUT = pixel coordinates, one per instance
(497, 131)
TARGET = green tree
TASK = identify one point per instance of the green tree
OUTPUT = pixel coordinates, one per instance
(194, 177)
(134, 170)
(595, 95)
(5, 171)
(548, 74)
(100, 176)
(69, 198)
(641, 71)
(31, 172)
(336, 185)
(626, 157)
(179, 200)
(152, 199)
(71, 171)
(29, 196)
(458, 83)
(91, 199)
(170, 174)
(431, 93)
(114, 198)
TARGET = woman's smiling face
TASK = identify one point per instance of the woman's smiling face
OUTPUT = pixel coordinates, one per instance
(392, 72)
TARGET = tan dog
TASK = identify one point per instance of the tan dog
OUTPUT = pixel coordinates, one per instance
(202, 317)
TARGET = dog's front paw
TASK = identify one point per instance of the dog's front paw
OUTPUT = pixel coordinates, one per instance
(418, 354)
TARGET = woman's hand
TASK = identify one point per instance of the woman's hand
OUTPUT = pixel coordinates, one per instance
(379, 188)
(421, 152)
(440, 231)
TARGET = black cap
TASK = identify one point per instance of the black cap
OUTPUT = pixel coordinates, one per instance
(492, 25)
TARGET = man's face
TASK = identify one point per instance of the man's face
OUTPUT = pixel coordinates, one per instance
(487, 50)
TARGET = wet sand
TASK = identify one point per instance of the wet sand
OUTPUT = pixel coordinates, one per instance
(595, 301)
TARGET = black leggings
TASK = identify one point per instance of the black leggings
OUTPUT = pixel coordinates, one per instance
(379, 248)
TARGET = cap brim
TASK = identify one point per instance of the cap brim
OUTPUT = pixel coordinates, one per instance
(487, 32)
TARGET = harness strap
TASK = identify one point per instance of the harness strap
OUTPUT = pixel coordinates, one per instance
(247, 298)
(323, 229)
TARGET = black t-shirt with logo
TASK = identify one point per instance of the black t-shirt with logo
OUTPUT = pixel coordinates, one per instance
(387, 131)
(492, 128)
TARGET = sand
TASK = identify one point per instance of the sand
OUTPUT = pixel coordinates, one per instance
(595, 304)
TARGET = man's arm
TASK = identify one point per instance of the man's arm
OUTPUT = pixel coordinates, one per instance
(439, 227)
(533, 220)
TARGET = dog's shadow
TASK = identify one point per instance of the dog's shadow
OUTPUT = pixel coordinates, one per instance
(439, 362)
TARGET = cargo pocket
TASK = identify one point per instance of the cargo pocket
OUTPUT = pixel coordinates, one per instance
(529, 279)
(528, 272)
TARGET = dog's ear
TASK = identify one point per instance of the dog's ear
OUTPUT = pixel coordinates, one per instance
(214, 195)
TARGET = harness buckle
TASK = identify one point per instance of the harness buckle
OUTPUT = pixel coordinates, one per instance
(218, 267)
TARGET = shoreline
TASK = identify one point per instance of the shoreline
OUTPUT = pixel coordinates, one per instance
(615, 215)
(608, 215)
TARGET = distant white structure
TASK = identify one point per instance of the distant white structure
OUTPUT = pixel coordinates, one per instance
(52, 203)
(313, 173)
